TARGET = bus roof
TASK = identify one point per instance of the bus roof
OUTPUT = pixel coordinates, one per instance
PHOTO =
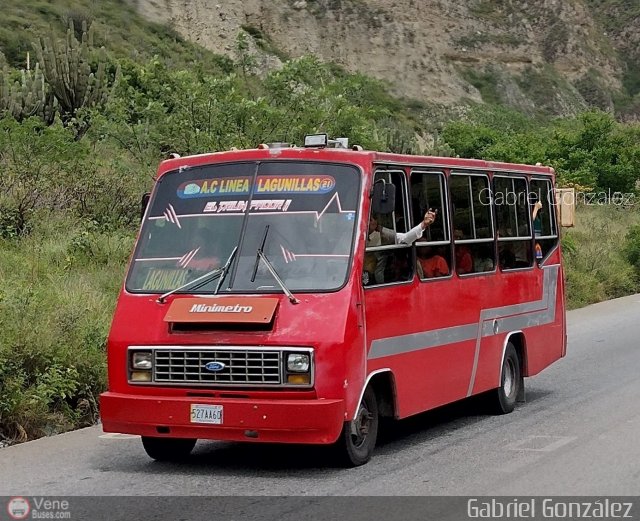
(360, 157)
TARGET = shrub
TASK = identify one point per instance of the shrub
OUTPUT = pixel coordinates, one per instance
(56, 303)
(632, 247)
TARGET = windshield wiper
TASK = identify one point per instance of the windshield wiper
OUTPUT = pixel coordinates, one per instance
(204, 279)
(225, 270)
(261, 255)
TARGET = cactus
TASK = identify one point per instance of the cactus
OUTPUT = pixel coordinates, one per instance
(67, 69)
(28, 97)
(398, 138)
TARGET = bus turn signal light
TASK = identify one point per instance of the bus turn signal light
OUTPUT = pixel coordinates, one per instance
(299, 379)
(140, 376)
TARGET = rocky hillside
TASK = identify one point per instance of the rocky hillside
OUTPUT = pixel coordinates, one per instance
(557, 56)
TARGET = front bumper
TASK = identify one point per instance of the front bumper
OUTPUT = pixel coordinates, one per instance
(279, 421)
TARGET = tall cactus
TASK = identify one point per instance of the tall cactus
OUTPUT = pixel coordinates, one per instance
(30, 96)
(67, 69)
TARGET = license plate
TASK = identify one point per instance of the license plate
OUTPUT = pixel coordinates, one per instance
(206, 413)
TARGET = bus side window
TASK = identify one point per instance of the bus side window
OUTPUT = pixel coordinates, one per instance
(433, 250)
(385, 261)
(513, 222)
(545, 224)
(472, 223)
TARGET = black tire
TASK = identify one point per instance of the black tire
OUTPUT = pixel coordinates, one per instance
(168, 449)
(358, 438)
(504, 397)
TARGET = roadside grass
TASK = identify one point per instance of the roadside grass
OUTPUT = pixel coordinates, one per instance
(596, 267)
(56, 300)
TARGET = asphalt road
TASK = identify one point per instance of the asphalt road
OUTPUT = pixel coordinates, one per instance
(577, 434)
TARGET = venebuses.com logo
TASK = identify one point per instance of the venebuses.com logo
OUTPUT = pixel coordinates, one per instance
(18, 508)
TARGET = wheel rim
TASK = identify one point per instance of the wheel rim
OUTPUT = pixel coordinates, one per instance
(509, 378)
(361, 425)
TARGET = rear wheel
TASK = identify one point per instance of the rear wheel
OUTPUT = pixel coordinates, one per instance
(168, 449)
(358, 437)
(504, 397)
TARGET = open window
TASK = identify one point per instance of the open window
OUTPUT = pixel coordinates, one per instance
(387, 260)
(545, 224)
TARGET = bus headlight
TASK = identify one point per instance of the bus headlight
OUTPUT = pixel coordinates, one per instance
(142, 360)
(298, 363)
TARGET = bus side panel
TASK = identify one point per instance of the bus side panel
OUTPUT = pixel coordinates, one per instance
(546, 344)
(431, 377)
(353, 356)
(487, 374)
(528, 301)
(407, 332)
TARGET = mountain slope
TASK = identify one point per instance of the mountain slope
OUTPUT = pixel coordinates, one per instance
(553, 56)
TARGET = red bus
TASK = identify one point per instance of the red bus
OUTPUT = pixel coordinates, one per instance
(264, 301)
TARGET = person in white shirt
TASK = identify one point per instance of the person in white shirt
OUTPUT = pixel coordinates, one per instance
(389, 236)
(374, 264)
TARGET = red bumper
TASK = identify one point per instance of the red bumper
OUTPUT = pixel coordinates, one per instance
(280, 421)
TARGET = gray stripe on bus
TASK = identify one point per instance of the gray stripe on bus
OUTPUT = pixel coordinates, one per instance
(518, 316)
(510, 318)
(418, 341)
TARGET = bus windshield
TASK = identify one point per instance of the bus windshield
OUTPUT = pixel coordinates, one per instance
(198, 216)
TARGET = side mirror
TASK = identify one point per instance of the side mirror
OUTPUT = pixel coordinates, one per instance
(144, 202)
(383, 197)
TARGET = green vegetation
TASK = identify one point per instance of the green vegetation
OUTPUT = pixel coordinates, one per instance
(591, 150)
(600, 254)
(58, 291)
(486, 81)
(76, 155)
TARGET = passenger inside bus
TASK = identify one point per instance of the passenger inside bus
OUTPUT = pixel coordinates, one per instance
(536, 216)
(506, 255)
(515, 254)
(383, 266)
(464, 259)
(483, 254)
(388, 236)
(432, 262)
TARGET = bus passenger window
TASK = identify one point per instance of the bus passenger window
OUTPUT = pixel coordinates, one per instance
(385, 261)
(473, 225)
(513, 222)
(545, 223)
(433, 250)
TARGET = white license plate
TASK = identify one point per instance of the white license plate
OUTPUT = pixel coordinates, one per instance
(206, 413)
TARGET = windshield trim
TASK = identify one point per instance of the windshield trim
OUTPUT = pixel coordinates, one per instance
(275, 291)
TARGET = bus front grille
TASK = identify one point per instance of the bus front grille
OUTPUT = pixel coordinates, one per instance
(217, 366)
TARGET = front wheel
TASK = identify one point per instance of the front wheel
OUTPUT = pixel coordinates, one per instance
(168, 449)
(358, 437)
(504, 397)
